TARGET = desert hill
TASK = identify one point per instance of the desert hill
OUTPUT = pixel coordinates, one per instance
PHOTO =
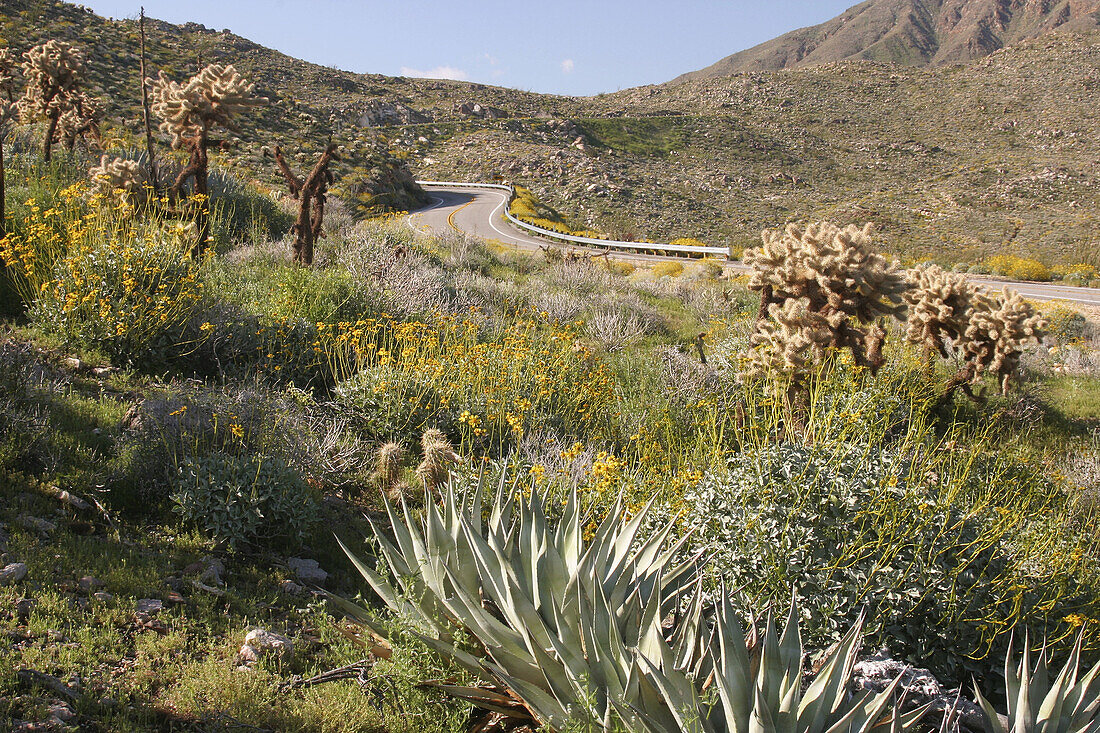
(912, 33)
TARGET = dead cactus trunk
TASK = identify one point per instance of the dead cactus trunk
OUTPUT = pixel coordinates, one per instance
(311, 194)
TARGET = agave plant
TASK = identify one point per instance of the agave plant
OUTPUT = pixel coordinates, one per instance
(577, 636)
(1035, 704)
(758, 685)
(561, 625)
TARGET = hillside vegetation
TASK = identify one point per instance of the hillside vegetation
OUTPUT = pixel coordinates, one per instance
(955, 164)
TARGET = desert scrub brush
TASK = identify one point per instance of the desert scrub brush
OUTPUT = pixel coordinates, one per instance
(439, 458)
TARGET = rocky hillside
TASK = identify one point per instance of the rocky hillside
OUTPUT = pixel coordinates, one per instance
(912, 33)
(954, 162)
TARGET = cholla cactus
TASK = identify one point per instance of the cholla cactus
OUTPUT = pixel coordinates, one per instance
(80, 119)
(939, 307)
(191, 111)
(53, 71)
(9, 112)
(791, 341)
(7, 74)
(998, 330)
(209, 99)
(121, 178)
(841, 284)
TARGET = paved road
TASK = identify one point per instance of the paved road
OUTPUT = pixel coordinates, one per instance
(478, 212)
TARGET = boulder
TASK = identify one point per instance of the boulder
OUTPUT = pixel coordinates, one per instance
(261, 643)
(12, 573)
(307, 570)
(918, 687)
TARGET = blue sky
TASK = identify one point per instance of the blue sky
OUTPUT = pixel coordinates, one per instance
(555, 46)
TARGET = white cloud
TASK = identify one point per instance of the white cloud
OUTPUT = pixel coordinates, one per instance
(567, 66)
(493, 61)
(439, 72)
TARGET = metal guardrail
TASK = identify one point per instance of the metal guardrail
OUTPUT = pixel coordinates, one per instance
(591, 241)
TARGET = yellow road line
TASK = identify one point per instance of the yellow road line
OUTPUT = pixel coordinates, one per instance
(451, 216)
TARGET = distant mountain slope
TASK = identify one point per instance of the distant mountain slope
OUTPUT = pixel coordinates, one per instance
(911, 33)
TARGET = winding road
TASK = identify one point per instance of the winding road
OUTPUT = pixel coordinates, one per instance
(479, 212)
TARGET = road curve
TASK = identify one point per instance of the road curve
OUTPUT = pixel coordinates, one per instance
(479, 212)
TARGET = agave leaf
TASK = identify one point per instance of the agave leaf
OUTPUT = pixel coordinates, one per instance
(483, 698)
(545, 708)
(1049, 716)
(377, 583)
(464, 659)
(681, 696)
(736, 686)
(994, 720)
(829, 688)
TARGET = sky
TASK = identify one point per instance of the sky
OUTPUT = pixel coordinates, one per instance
(576, 47)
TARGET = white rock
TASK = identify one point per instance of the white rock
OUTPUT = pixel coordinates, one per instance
(308, 571)
(13, 573)
(261, 643)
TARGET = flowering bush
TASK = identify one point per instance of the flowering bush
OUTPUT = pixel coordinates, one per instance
(99, 276)
(487, 392)
(1018, 268)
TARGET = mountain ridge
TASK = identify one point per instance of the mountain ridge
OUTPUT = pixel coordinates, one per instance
(910, 33)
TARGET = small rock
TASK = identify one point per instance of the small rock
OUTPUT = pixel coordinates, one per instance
(23, 608)
(212, 571)
(260, 643)
(73, 363)
(13, 573)
(37, 524)
(307, 570)
(56, 637)
(291, 588)
(61, 712)
(150, 606)
(88, 583)
(174, 597)
(103, 596)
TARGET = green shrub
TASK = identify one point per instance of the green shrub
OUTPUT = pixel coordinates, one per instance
(390, 404)
(244, 500)
(852, 528)
(1064, 323)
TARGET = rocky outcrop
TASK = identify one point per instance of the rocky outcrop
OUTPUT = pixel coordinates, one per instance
(479, 111)
(380, 112)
